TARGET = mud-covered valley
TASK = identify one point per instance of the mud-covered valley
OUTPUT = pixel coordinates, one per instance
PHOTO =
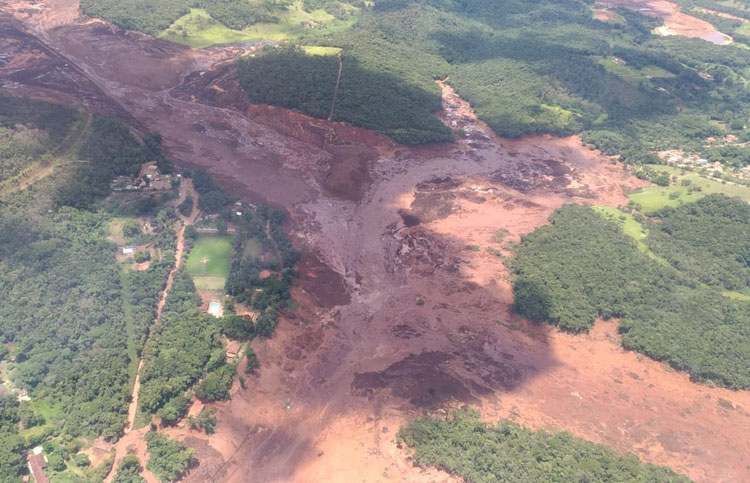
(396, 313)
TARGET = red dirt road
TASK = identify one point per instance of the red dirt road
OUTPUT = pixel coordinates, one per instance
(386, 227)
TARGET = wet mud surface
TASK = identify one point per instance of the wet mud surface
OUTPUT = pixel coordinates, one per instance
(393, 315)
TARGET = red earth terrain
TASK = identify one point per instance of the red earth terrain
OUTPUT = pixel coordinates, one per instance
(395, 315)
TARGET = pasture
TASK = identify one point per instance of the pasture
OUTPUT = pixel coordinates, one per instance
(654, 198)
(208, 262)
(633, 74)
(198, 29)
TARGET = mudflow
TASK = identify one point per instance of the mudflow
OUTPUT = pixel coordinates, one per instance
(394, 315)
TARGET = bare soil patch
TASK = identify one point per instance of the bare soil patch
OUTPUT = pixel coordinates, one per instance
(676, 22)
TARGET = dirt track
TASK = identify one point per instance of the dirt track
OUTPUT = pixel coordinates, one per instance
(393, 319)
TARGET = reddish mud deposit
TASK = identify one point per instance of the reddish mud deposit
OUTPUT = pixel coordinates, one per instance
(675, 21)
(395, 316)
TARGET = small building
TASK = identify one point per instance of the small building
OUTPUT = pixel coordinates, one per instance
(195, 409)
(128, 251)
(264, 274)
(233, 350)
(37, 463)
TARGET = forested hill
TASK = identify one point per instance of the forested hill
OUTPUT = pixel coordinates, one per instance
(533, 67)
(72, 319)
(670, 308)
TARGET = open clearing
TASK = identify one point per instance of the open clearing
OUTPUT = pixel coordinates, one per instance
(252, 248)
(654, 198)
(198, 29)
(632, 74)
(208, 261)
(361, 355)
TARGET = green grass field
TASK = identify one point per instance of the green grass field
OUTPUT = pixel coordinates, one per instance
(631, 73)
(208, 262)
(629, 225)
(198, 29)
(653, 198)
(316, 50)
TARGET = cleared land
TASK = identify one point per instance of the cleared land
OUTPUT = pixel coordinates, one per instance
(633, 74)
(198, 29)
(208, 262)
(654, 198)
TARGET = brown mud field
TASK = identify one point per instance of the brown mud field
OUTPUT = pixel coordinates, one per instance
(403, 300)
(675, 21)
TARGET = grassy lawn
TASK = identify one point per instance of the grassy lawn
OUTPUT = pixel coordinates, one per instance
(631, 73)
(315, 50)
(115, 230)
(198, 29)
(631, 228)
(51, 415)
(653, 198)
(209, 282)
(208, 262)
(736, 295)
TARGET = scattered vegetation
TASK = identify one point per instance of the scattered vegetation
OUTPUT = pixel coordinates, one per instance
(266, 293)
(153, 17)
(475, 451)
(205, 421)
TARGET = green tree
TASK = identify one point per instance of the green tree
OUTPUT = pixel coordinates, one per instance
(128, 471)
(169, 459)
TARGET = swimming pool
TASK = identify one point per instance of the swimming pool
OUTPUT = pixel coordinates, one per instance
(214, 308)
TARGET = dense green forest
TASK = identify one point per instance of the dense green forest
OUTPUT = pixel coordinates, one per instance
(11, 444)
(368, 98)
(570, 276)
(182, 348)
(168, 459)
(709, 240)
(72, 319)
(463, 445)
(268, 295)
(538, 66)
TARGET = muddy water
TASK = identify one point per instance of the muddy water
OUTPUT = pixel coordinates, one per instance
(426, 322)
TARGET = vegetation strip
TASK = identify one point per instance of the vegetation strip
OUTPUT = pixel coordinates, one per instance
(463, 445)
